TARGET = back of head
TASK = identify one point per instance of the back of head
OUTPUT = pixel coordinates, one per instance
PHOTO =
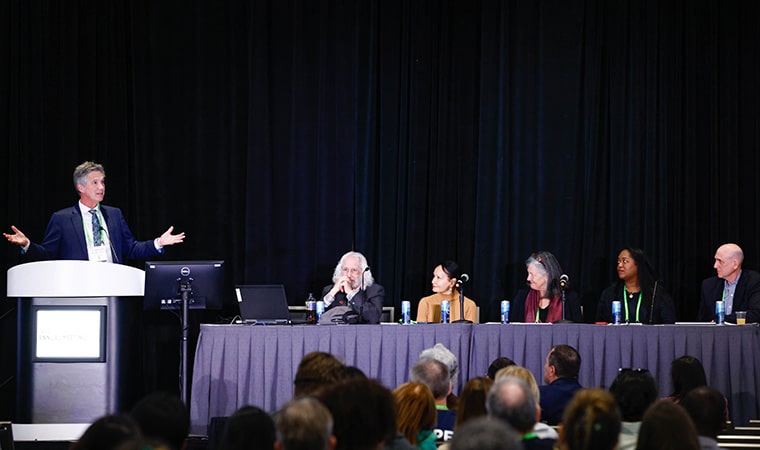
(109, 432)
(315, 370)
(634, 390)
(523, 374)
(434, 374)
(666, 426)
(511, 401)
(706, 407)
(163, 416)
(415, 409)
(249, 427)
(304, 424)
(363, 413)
(472, 401)
(439, 352)
(591, 421)
(686, 373)
(566, 360)
(484, 433)
(498, 364)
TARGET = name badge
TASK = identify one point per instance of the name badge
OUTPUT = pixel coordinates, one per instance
(99, 253)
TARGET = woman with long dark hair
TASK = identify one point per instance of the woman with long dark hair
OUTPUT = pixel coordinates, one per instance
(639, 291)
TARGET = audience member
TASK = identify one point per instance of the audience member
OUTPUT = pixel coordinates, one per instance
(416, 414)
(304, 424)
(666, 426)
(163, 416)
(634, 391)
(739, 289)
(248, 428)
(314, 371)
(472, 402)
(705, 407)
(485, 433)
(435, 375)
(543, 302)
(350, 372)
(498, 364)
(561, 370)
(111, 432)
(639, 291)
(511, 401)
(686, 373)
(444, 287)
(363, 413)
(591, 421)
(440, 353)
(542, 430)
(353, 293)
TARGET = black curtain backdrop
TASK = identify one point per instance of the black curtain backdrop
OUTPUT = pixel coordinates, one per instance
(280, 134)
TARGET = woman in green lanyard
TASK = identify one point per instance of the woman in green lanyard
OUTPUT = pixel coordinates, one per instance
(641, 295)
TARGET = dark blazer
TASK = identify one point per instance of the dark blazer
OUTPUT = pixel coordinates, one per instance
(664, 311)
(64, 238)
(746, 297)
(554, 398)
(572, 307)
(367, 303)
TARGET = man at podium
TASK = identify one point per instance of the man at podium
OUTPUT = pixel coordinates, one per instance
(89, 230)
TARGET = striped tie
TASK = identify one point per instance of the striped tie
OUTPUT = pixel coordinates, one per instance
(97, 239)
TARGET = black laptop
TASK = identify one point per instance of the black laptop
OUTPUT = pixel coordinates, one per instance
(263, 304)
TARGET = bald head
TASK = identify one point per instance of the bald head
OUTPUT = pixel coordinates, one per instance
(728, 261)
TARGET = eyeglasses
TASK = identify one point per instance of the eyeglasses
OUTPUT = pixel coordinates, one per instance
(634, 370)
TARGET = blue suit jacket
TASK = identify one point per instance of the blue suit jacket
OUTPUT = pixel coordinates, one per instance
(65, 239)
(746, 297)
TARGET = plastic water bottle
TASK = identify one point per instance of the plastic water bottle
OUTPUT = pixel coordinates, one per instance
(405, 312)
(445, 311)
(616, 312)
(720, 312)
(311, 310)
(505, 311)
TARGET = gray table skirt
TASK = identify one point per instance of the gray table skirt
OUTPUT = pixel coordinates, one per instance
(238, 365)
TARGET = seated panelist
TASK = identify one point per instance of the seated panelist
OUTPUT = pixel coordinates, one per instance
(354, 287)
(637, 289)
(444, 287)
(542, 302)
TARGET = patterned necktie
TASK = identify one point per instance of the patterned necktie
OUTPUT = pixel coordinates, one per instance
(97, 239)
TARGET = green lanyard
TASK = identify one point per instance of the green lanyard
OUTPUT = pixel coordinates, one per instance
(529, 436)
(625, 301)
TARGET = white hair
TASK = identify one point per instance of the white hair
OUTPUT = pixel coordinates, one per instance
(439, 352)
(369, 280)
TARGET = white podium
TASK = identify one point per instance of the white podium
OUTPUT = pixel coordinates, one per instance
(78, 339)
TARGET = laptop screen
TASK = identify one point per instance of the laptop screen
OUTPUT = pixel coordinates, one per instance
(265, 303)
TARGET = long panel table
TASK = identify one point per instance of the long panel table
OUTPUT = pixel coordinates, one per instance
(238, 365)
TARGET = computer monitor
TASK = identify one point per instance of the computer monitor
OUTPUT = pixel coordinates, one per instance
(164, 278)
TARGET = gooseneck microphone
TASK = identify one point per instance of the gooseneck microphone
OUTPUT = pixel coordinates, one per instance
(464, 278)
(563, 279)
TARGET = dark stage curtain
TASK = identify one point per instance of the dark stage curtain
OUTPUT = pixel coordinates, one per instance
(280, 134)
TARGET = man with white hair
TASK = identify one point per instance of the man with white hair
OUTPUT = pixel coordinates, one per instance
(354, 290)
(441, 353)
(738, 289)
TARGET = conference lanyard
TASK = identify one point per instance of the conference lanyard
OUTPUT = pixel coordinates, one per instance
(625, 301)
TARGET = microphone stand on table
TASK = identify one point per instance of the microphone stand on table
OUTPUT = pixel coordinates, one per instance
(461, 300)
